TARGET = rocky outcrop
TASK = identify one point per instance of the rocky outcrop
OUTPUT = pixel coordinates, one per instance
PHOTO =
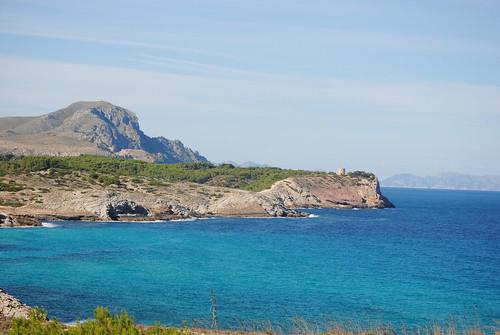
(328, 191)
(123, 208)
(11, 307)
(89, 127)
(11, 220)
(6, 220)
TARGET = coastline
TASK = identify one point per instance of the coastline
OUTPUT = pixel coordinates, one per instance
(53, 224)
(66, 199)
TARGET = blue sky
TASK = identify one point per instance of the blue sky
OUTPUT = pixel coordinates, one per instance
(385, 86)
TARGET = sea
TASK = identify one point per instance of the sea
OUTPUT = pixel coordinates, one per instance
(433, 258)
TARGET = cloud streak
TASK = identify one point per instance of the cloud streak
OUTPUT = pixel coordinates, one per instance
(112, 41)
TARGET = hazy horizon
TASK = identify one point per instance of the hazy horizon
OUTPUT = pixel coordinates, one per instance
(392, 87)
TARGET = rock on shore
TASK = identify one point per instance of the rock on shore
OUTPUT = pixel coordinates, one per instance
(11, 307)
(10, 220)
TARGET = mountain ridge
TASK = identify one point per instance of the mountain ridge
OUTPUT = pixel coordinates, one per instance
(90, 127)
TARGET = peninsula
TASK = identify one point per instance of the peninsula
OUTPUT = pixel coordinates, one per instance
(91, 161)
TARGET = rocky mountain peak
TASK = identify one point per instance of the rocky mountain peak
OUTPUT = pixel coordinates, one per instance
(110, 127)
(83, 125)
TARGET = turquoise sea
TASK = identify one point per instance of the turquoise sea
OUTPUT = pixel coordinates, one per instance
(434, 257)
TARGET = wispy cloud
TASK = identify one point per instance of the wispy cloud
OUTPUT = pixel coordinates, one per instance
(188, 66)
(113, 41)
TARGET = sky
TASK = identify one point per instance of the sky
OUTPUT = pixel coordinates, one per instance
(383, 86)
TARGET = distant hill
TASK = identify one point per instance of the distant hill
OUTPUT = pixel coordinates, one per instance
(89, 127)
(447, 180)
(245, 164)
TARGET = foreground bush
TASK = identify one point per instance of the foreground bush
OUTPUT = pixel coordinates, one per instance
(103, 324)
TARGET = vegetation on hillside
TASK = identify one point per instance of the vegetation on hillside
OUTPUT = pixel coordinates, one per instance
(10, 186)
(107, 170)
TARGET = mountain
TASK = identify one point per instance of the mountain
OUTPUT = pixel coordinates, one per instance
(89, 127)
(448, 180)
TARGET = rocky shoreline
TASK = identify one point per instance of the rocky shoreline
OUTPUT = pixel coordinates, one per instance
(64, 199)
(11, 307)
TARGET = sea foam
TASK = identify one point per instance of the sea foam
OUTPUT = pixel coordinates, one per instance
(49, 225)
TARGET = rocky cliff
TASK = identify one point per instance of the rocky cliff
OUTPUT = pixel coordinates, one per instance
(328, 191)
(90, 127)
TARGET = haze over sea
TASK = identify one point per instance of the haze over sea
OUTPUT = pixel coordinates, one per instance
(433, 257)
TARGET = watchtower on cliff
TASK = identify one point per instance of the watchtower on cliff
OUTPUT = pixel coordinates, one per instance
(340, 171)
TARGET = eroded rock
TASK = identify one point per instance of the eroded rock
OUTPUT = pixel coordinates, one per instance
(124, 209)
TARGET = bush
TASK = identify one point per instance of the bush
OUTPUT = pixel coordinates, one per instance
(361, 174)
(36, 324)
(103, 324)
(10, 186)
(106, 324)
(10, 203)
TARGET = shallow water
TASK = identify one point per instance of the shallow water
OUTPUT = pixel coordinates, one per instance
(436, 255)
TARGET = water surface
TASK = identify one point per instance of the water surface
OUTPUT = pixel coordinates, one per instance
(436, 255)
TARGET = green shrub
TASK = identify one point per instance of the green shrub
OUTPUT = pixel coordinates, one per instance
(10, 186)
(361, 174)
(36, 324)
(106, 324)
(103, 324)
(10, 203)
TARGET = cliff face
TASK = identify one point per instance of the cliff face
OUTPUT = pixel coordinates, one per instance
(93, 127)
(68, 198)
(285, 196)
(328, 191)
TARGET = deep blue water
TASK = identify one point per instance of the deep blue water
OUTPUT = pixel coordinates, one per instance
(436, 256)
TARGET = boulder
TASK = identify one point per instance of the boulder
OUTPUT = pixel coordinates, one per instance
(11, 220)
